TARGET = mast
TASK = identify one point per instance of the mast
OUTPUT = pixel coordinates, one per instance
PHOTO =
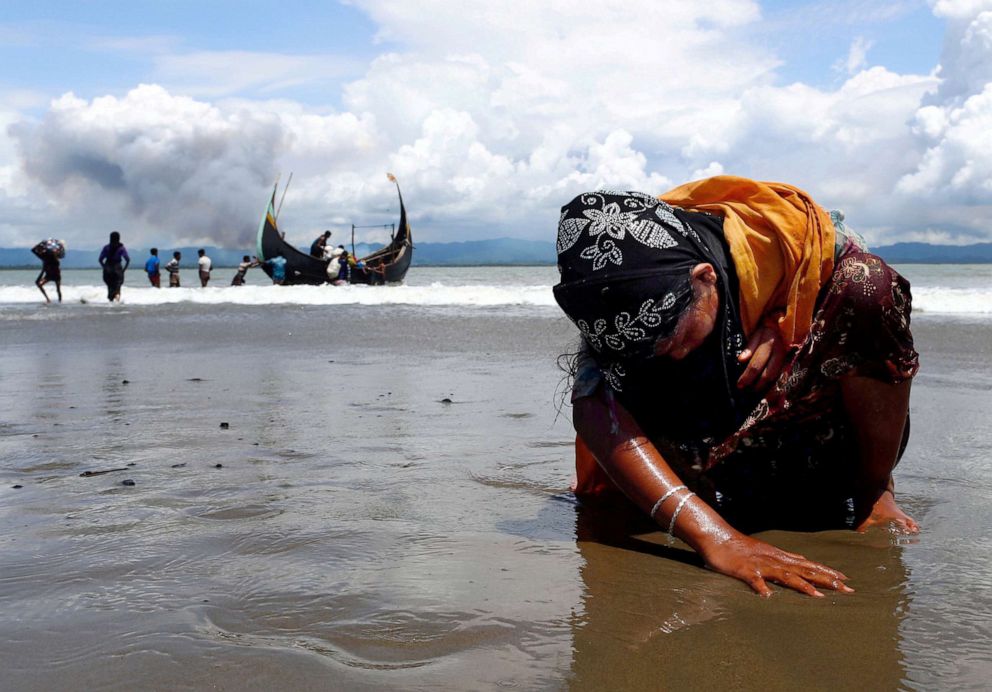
(284, 191)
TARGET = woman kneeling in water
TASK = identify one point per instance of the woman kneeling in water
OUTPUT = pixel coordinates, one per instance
(746, 364)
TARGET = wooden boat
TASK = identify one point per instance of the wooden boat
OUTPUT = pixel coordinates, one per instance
(386, 265)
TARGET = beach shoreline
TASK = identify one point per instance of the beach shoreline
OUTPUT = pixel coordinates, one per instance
(351, 528)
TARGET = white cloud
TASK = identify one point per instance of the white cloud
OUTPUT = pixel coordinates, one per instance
(168, 162)
(959, 9)
(950, 184)
(494, 114)
(857, 55)
(958, 164)
(966, 60)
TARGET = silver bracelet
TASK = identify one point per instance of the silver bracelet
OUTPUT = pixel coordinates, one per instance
(657, 505)
(675, 516)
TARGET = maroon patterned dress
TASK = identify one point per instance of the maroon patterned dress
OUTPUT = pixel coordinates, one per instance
(792, 463)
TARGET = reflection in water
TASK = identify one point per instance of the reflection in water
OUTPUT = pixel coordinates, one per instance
(653, 618)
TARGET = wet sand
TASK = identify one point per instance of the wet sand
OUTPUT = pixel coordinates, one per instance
(360, 532)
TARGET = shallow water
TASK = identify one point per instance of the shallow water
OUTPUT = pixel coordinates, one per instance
(360, 532)
(962, 290)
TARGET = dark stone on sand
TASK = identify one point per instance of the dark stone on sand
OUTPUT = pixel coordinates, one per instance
(225, 426)
(131, 463)
(125, 381)
(195, 379)
(218, 466)
(17, 487)
(178, 466)
(445, 400)
(127, 481)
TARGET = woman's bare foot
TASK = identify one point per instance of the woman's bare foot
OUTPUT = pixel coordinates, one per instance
(887, 513)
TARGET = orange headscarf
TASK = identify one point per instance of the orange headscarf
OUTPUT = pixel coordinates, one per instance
(781, 242)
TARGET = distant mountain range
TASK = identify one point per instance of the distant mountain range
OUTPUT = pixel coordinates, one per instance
(500, 251)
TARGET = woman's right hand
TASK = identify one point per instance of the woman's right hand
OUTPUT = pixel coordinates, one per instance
(757, 563)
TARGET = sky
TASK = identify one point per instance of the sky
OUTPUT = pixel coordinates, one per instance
(170, 121)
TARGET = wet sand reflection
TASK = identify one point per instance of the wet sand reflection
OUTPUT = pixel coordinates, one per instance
(653, 618)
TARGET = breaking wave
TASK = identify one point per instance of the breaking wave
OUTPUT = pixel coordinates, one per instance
(935, 300)
(435, 294)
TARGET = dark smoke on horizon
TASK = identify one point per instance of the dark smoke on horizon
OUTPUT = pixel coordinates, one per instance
(182, 167)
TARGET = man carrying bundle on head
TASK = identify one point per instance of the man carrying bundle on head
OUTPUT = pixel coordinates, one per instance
(50, 252)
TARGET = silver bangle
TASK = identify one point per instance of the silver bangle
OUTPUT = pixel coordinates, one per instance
(657, 505)
(675, 516)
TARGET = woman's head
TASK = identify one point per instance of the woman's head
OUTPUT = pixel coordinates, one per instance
(636, 280)
(115, 238)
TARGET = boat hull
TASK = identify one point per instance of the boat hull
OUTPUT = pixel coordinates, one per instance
(386, 265)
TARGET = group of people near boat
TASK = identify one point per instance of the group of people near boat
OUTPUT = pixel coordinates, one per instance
(115, 260)
(339, 261)
(153, 267)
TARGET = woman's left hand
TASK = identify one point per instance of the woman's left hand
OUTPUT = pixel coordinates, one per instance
(765, 357)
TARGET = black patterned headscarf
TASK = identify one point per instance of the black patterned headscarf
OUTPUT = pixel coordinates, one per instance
(625, 260)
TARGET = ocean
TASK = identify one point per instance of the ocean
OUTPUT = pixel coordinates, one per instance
(946, 289)
(367, 487)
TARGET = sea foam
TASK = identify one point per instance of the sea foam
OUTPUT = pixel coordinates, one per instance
(926, 299)
(436, 294)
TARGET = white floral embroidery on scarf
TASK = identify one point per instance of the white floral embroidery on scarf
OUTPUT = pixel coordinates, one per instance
(569, 231)
(609, 220)
(652, 235)
(601, 253)
(611, 223)
(628, 329)
(614, 375)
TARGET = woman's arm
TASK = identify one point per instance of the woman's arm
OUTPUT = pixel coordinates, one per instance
(636, 466)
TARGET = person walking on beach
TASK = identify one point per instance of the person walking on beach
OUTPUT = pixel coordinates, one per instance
(745, 364)
(318, 245)
(152, 269)
(246, 264)
(115, 261)
(172, 266)
(204, 264)
(50, 253)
